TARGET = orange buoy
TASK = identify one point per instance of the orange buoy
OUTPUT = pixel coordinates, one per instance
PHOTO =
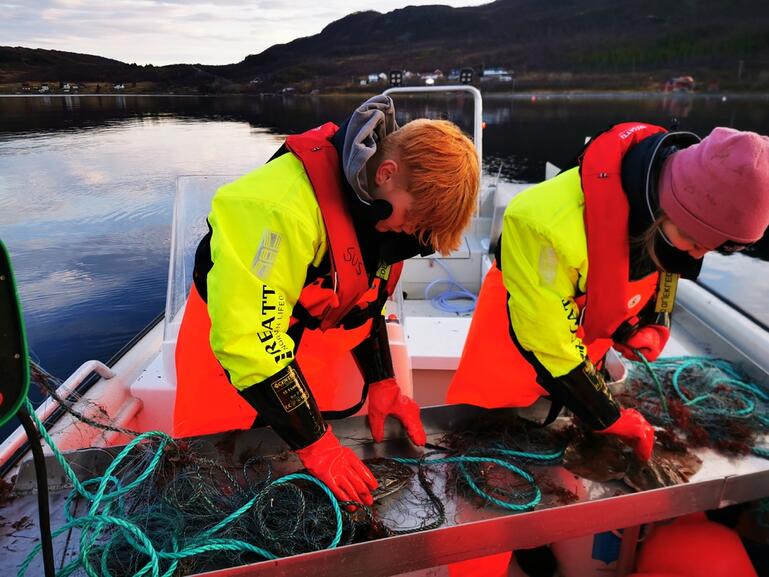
(693, 546)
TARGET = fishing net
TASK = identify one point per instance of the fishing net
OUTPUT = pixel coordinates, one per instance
(498, 460)
(160, 508)
(707, 401)
(165, 506)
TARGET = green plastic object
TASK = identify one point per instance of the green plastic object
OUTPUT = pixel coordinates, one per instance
(14, 360)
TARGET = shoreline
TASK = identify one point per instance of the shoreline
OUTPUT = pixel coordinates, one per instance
(497, 94)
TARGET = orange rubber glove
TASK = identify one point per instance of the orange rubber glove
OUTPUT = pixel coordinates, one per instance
(635, 430)
(649, 340)
(385, 398)
(339, 468)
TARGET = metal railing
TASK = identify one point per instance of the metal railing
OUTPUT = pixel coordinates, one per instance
(477, 109)
(18, 438)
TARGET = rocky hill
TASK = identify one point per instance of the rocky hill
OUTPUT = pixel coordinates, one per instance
(569, 43)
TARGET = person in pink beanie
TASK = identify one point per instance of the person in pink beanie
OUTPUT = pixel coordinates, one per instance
(715, 194)
(712, 195)
(588, 260)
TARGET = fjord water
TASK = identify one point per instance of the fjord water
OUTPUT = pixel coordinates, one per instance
(87, 185)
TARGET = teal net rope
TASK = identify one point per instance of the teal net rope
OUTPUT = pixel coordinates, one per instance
(159, 509)
(133, 526)
(528, 498)
(707, 400)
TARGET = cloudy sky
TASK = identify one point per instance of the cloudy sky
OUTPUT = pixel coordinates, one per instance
(182, 31)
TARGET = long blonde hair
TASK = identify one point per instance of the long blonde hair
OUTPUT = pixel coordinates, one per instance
(646, 241)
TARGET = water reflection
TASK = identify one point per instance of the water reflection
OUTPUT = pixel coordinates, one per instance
(86, 212)
(678, 105)
(87, 182)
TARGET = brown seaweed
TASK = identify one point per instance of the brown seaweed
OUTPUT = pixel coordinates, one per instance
(605, 458)
(664, 469)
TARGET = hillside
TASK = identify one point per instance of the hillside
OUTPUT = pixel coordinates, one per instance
(557, 38)
(20, 65)
(559, 43)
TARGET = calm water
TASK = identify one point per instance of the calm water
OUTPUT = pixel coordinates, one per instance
(87, 184)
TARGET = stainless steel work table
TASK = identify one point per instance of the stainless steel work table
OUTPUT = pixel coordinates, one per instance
(469, 531)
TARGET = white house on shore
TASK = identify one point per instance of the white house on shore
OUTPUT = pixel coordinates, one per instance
(497, 74)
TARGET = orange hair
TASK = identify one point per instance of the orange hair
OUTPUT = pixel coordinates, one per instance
(443, 174)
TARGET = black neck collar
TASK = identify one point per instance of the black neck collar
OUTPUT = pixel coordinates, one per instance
(640, 177)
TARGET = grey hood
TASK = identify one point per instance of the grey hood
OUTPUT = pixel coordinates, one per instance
(368, 125)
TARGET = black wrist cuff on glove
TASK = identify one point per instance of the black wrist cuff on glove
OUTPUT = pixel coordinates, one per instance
(647, 317)
(585, 393)
(373, 355)
(285, 402)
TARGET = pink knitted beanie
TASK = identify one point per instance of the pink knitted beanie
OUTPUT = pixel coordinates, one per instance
(718, 190)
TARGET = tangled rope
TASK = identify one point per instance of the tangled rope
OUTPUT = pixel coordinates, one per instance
(160, 509)
(48, 385)
(508, 460)
(110, 525)
(708, 400)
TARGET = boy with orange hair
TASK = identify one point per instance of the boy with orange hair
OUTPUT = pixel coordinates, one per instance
(303, 252)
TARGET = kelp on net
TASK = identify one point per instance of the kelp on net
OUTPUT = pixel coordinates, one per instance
(708, 401)
(162, 508)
